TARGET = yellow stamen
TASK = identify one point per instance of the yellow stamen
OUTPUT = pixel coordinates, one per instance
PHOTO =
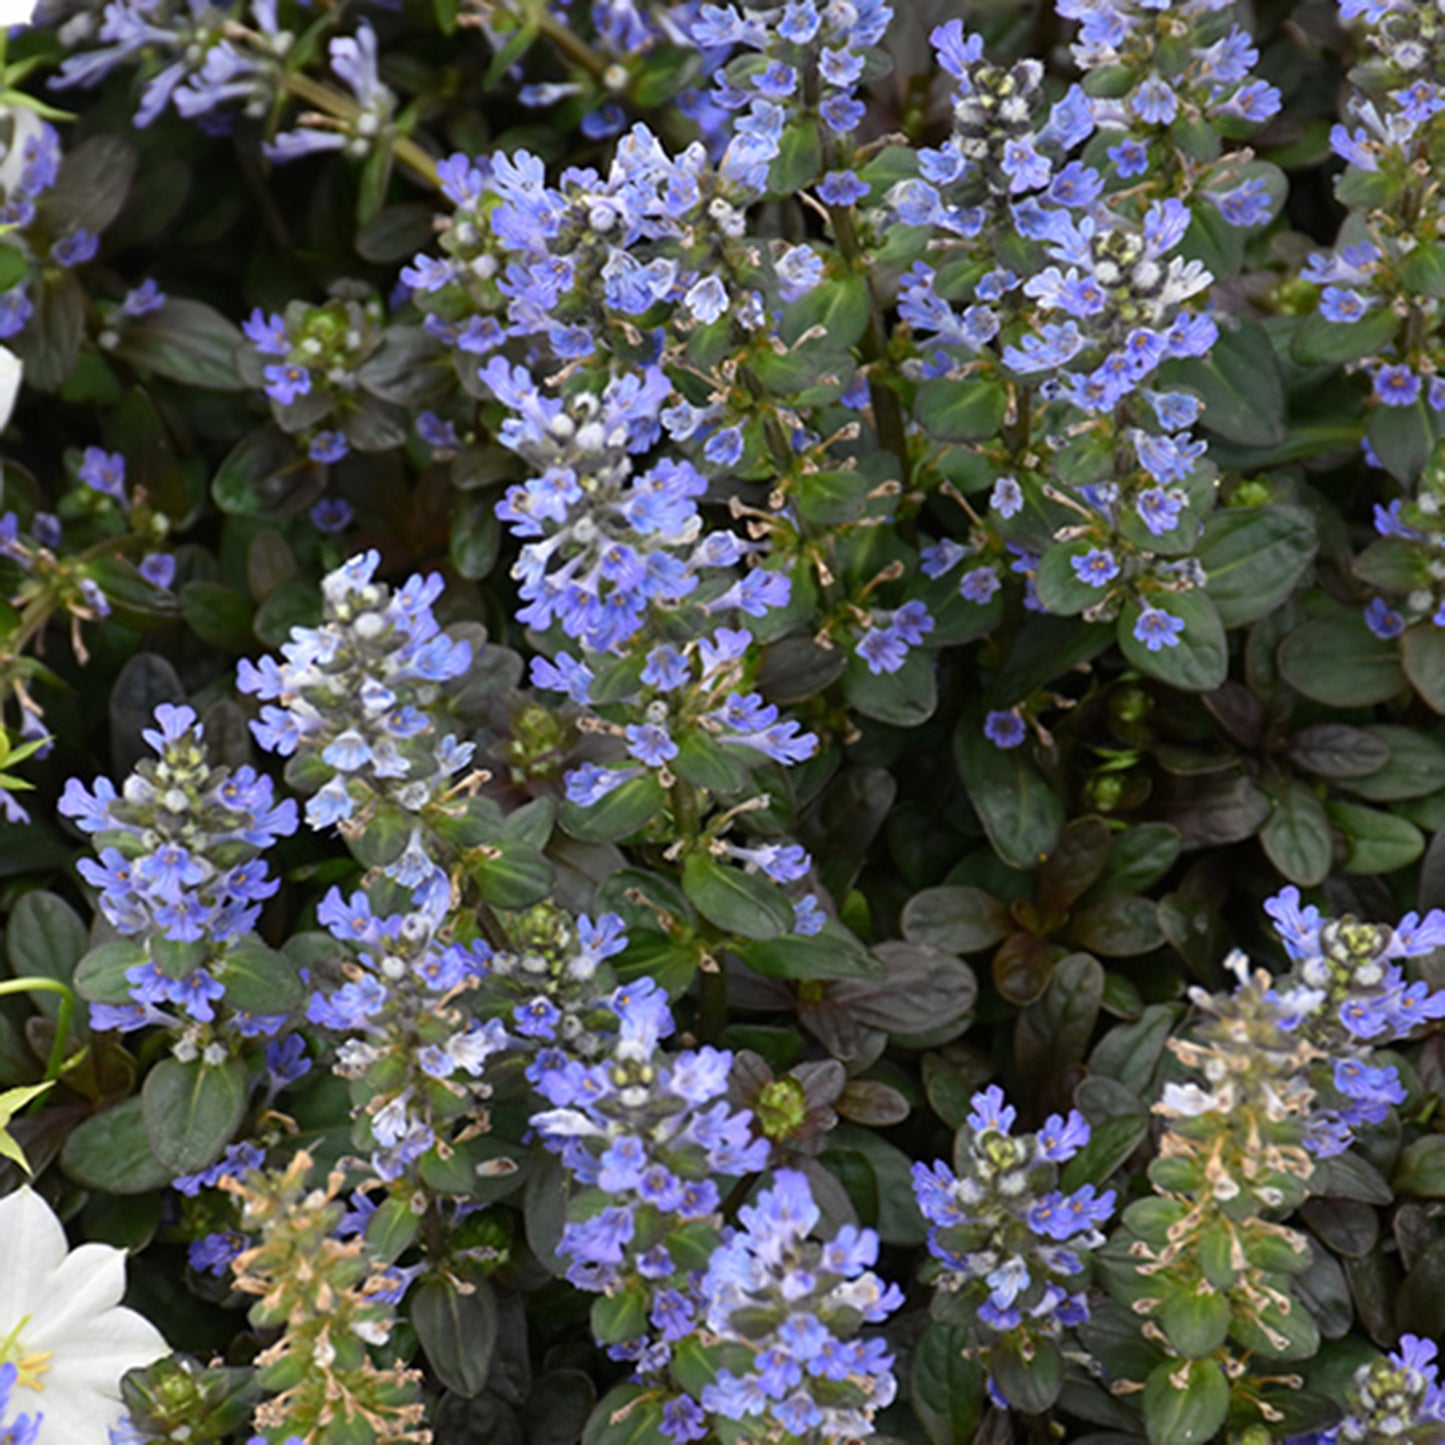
(29, 1368)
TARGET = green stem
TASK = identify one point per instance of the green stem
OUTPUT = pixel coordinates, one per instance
(1017, 434)
(712, 1010)
(62, 1024)
(887, 410)
(571, 45)
(738, 1195)
(334, 103)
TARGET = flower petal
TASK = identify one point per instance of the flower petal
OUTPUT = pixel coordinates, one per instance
(32, 1244)
(86, 1285)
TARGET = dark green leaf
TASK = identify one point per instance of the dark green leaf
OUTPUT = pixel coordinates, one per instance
(1122, 926)
(110, 1152)
(1296, 836)
(737, 902)
(1196, 1321)
(831, 953)
(520, 876)
(186, 341)
(192, 1111)
(1421, 1170)
(410, 368)
(44, 938)
(1131, 1052)
(800, 158)
(1328, 343)
(1423, 270)
(1111, 1142)
(1020, 812)
(1199, 659)
(1052, 1034)
(617, 1318)
(1076, 864)
(922, 990)
(956, 919)
(623, 812)
(262, 476)
(629, 1415)
(457, 1330)
(219, 616)
(100, 975)
(475, 537)
(92, 185)
(1240, 385)
(50, 343)
(1378, 842)
(1416, 767)
(906, 698)
(1027, 1370)
(1141, 856)
(1422, 653)
(1337, 660)
(945, 1386)
(260, 980)
(1186, 1402)
(1336, 750)
(965, 410)
(839, 306)
(1402, 438)
(1254, 558)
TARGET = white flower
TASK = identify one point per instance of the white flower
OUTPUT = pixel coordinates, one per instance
(25, 125)
(62, 1325)
(1188, 1100)
(16, 12)
(10, 370)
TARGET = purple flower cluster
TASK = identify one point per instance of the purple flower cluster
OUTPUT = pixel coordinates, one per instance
(604, 543)
(1007, 1240)
(1349, 995)
(799, 63)
(550, 989)
(354, 60)
(420, 1057)
(207, 63)
(179, 863)
(1396, 100)
(1005, 144)
(643, 1132)
(355, 702)
(793, 1309)
(1399, 1397)
(1175, 66)
(691, 688)
(583, 264)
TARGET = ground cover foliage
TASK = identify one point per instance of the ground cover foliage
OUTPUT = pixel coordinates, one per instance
(723, 722)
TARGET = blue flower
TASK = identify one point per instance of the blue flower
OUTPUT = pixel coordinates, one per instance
(1061, 1138)
(979, 584)
(1383, 620)
(1097, 567)
(1157, 629)
(285, 384)
(1154, 101)
(1159, 509)
(1130, 158)
(1004, 729)
(104, 472)
(996, 1226)
(1396, 386)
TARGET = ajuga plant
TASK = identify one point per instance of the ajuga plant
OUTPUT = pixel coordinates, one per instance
(721, 722)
